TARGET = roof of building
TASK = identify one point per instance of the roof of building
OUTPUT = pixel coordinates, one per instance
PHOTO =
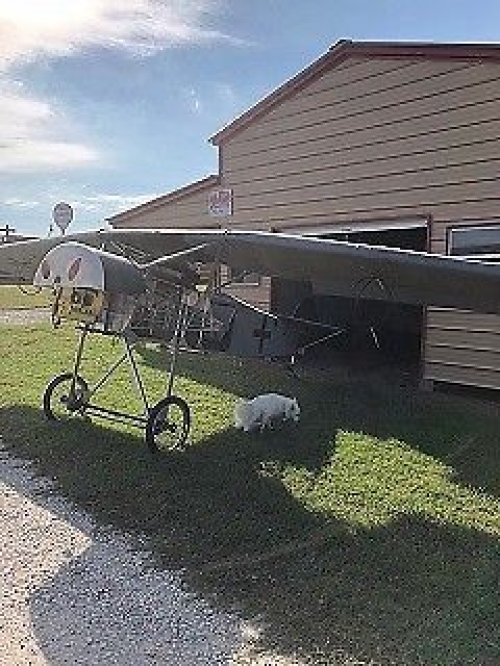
(15, 238)
(174, 195)
(344, 49)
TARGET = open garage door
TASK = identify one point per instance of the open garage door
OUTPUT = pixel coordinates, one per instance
(375, 330)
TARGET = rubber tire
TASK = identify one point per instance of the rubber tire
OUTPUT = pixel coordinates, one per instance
(51, 386)
(153, 415)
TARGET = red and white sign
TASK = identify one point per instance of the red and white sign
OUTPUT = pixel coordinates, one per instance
(220, 202)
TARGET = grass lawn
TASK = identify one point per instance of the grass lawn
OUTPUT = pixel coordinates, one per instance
(371, 530)
(12, 298)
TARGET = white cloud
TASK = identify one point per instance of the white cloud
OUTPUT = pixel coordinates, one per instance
(15, 202)
(34, 29)
(28, 139)
(32, 155)
(97, 207)
(109, 204)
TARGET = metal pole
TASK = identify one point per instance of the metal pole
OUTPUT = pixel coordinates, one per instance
(135, 372)
(177, 338)
(108, 374)
(78, 359)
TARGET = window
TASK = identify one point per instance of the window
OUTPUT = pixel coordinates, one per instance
(478, 242)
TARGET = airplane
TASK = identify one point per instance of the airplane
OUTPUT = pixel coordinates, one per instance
(165, 284)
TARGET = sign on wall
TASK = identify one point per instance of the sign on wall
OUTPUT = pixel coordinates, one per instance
(220, 202)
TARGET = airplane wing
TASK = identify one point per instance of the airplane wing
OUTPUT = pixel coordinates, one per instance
(333, 267)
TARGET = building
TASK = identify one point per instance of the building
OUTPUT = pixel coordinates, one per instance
(383, 143)
(8, 235)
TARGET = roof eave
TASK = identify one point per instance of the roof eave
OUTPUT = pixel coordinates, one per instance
(338, 52)
(174, 195)
(344, 49)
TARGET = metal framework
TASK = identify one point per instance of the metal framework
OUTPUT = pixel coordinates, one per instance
(166, 423)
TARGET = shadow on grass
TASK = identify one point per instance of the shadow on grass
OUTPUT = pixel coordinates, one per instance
(459, 430)
(409, 592)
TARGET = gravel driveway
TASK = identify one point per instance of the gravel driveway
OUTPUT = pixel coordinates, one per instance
(33, 316)
(74, 594)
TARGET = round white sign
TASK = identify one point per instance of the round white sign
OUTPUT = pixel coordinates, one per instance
(62, 215)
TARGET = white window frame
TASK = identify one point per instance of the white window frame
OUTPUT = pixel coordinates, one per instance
(353, 227)
(485, 233)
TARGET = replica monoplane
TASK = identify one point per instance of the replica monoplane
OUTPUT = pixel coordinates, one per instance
(167, 285)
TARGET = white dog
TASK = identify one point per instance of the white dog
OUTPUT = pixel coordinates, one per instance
(264, 410)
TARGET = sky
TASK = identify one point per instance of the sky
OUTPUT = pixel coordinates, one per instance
(106, 104)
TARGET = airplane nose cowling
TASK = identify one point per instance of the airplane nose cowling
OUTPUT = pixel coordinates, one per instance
(93, 287)
(75, 265)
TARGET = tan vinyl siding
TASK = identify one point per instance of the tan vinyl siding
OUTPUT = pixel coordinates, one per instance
(391, 156)
(360, 182)
(380, 150)
(443, 338)
(474, 211)
(188, 211)
(285, 207)
(461, 347)
(471, 375)
(371, 138)
(352, 116)
(259, 296)
(445, 319)
(384, 138)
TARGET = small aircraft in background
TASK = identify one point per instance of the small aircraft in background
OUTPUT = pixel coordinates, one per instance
(166, 285)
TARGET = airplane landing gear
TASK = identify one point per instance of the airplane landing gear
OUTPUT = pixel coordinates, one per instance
(168, 424)
(64, 397)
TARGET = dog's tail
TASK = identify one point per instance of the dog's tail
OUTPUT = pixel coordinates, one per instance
(239, 413)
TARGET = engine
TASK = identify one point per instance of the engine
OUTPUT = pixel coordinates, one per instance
(91, 286)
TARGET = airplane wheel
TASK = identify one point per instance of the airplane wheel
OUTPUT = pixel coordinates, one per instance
(58, 403)
(168, 424)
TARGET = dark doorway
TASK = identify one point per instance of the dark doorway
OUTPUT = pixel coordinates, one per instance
(375, 331)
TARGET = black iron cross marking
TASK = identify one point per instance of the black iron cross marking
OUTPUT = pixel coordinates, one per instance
(262, 333)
